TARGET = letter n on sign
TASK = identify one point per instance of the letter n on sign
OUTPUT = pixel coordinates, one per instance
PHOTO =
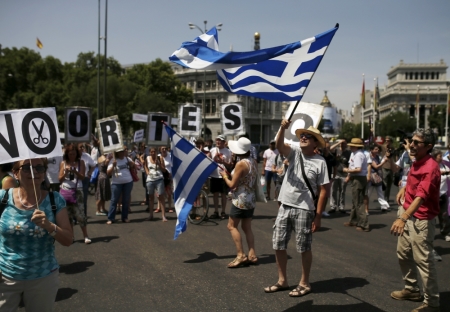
(110, 134)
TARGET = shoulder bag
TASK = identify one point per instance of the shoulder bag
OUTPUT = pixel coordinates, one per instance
(315, 198)
(70, 195)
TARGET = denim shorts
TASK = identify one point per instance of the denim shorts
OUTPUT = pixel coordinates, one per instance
(288, 219)
(157, 186)
(236, 212)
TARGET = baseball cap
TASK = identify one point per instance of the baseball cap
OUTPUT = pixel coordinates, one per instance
(220, 137)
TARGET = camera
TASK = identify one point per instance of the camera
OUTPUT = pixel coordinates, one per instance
(71, 174)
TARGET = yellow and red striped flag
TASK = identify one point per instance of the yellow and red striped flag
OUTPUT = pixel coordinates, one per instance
(39, 43)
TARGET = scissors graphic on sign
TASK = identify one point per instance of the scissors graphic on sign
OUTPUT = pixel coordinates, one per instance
(39, 133)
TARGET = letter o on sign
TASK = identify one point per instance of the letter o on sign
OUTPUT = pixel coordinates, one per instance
(297, 118)
(51, 128)
(83, 119)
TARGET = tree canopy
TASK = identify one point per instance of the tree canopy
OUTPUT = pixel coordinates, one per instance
(29, 81)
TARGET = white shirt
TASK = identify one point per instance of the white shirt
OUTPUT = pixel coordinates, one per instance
(226, 157)
(54, 164)
(358, 160)
(269, 155)
(88, 163)
(95, 155)
(124, 174)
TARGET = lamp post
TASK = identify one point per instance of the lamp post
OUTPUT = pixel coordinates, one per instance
(218, 27)
(260, 127)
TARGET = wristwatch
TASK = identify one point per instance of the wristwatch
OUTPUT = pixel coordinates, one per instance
(53, 233)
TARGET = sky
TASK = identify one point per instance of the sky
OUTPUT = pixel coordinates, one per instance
(373, 35)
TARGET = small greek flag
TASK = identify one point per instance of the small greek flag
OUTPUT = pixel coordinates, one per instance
(190, 169)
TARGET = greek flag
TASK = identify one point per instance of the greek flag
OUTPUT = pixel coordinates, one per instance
(190, 169)
(277, 74)
(203, 53)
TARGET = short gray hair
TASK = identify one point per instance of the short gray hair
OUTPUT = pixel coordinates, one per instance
(427, 135)
(435, 152)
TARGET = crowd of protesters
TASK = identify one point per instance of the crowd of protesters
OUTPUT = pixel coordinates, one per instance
(305, 177)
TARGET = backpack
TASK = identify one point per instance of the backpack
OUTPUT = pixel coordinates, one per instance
(5, 198)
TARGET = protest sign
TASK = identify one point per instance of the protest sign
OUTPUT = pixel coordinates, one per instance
(78, 124)
(29, 133)
(305, 115)
(110, 134)
(190, 120)
(155, 131)
(232, 119)
(138, 136)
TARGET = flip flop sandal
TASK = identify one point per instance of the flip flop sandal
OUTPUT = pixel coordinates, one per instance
(253, 260)
(237, 262)
(215, 215)
(277, 288)
(300, 291)
(223, 215)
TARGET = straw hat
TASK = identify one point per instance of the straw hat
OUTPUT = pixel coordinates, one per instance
(101, 159)
(313, 131)
(356, 142)
(240, 146)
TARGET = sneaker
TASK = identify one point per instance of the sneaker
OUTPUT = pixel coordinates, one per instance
(325, 214)
(447, 238)
(275, 199)
(87, 240)
(332, 211)
(426, 308)
(101, 214)
(406, 294)
(436, 256)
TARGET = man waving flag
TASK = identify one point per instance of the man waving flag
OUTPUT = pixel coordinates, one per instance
(190, 169)
(278, 74)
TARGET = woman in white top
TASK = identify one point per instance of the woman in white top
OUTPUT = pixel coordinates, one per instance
(121, 185)
(155, 182)
(71, 175)
(444, 222)
(168, 183)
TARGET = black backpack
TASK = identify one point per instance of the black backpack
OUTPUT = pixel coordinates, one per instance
(5, 198)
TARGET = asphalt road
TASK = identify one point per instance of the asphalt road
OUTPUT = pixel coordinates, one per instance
(139, 267)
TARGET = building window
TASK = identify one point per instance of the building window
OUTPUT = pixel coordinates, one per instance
(277, 107)
(427, 75)
(207, 106)
(207, 84)
(213, 84)
(199, 101)
(416, 76)
(199, 84)
(432, 75)
(437, 76)
(213, 106)
(421, 76)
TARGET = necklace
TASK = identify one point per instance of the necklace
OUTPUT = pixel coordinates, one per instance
(26, 206)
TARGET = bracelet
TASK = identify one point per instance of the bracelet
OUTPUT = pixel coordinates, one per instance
(401, 218)
(409, 216)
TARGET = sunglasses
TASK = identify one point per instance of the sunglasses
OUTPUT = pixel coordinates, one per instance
(306, 135)
(38, 168)
(417, 142)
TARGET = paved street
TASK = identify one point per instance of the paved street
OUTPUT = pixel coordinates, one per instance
(139, 267)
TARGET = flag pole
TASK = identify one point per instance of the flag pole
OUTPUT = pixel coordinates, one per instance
(446, 116)
(417, 107)
(362, 123)
(298, 101)
(374, 111)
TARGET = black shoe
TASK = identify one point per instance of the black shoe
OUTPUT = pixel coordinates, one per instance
(342, 210)
(332, 211)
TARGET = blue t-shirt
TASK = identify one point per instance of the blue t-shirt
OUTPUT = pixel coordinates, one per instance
(26, 250)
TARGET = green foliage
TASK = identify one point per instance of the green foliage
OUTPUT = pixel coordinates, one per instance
(29, 81)
(393, 122)
(350, 130)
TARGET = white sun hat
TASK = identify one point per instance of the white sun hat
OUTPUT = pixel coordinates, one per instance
(240, 146)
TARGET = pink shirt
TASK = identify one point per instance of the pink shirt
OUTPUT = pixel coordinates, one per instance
(424, 181)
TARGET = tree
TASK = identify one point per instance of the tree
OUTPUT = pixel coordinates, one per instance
(394, 122)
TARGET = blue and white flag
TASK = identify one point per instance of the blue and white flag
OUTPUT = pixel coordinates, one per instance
(203, 53)
(190, 169)
(277, 74)
(282, 78)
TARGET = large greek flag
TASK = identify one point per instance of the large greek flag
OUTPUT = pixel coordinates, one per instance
(190, 169)
(278, 74)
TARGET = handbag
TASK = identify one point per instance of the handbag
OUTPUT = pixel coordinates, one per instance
(315, 198)
(375, 179)
(70, 195)
(134, 174)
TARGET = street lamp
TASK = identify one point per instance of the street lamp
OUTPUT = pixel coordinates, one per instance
(218, 27)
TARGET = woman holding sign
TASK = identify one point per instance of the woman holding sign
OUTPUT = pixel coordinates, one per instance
(121, 185)
(28, 229)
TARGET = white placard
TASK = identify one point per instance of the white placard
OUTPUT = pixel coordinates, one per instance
(29, 133)
(156, 134)
(305, 115)
(109, 134)
(139, 135)
(78, 124)
(140, 117)
(232, 118)
(190, 120)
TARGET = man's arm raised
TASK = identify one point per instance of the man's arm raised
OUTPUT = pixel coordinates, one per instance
(282, 147)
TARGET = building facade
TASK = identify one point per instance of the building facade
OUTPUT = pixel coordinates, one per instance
(262, 118)
(410, 83)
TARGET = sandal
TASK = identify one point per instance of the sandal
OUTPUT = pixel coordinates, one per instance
(157, 210)
(223, 215)
(126, 221)
(109, 222)
(149, 218)
(300, 291)
(215, 215)
(170, 210)
(277, 286)
(253, 260)
(237, 262)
